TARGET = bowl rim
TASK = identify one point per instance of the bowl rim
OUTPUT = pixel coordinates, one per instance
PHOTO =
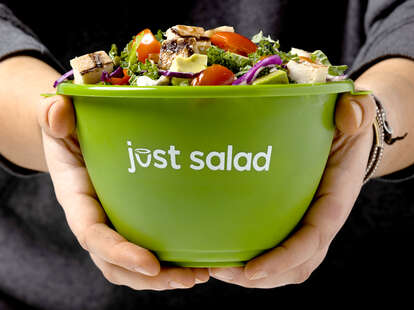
(274, 90)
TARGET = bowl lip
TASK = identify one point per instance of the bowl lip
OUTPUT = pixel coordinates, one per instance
(274, 90)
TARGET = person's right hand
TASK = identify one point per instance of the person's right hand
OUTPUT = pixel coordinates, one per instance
(120, 261)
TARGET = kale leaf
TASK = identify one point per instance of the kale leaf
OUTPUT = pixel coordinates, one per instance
(234, 62)
(148, 68)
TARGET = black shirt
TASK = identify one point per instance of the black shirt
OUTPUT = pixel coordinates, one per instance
(42, 265)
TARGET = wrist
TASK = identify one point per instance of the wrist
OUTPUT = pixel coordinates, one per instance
(23, 79)
(393, 86)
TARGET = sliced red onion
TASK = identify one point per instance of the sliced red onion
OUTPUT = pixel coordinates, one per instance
(181, 75)
(250, 75)
(62, 78)
(118, 73)
(260, 70)
(105, 77)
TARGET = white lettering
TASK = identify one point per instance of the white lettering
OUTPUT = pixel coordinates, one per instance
(131, 158)
(242, 161)
(197, 160)
(173, 152)
(266, 156)
(229, 156)
(209, 160)
(248, 164)
(143, 152)
(163, 162)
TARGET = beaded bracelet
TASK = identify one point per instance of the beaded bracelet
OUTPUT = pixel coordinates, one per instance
(382, 134)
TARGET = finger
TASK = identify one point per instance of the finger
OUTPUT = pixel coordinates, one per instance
(336, 195)
(87, 221)
(115, 249)
(227, 274)
(168, 278)
(293, 252)
(56, 116)
(354, 114)
(84, 214)
(296, 275)
(201, 274)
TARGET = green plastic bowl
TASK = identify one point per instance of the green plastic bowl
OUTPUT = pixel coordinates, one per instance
(205, 176)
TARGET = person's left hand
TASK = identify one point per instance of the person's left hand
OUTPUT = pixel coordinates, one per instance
(294, 260)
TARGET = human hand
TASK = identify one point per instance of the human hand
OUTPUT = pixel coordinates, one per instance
(296, 258)
(120, 261)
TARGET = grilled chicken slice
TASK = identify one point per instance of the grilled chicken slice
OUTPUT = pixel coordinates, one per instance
(183, 41)
(202, 45)
(176, 47)
(184, 32)
(87, 69)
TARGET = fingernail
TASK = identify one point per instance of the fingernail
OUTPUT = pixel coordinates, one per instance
(259, 275)
(143, 271)
(175, 284)
(358, 113)
(223, 274)
(198, 281)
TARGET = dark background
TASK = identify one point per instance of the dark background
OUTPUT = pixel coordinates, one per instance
(74, 28)
(372, 255)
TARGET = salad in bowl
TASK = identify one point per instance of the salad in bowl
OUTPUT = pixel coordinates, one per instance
(192, 56)
(204, 176)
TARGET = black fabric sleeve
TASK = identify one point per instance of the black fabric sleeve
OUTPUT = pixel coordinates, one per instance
(389, 27)
(17, 39)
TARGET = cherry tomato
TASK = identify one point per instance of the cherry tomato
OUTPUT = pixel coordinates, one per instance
(148, 45)
(214, 75)
(121, 81)
(233, 42)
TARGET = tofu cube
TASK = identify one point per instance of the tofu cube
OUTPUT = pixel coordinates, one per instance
(87, 69)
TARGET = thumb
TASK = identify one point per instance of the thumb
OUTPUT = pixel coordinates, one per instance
(56, 116)
(354, 114)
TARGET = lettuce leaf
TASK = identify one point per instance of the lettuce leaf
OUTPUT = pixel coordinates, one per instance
(133, 54)
(113, 53)
(260, 38)
(125, 55)
(160, 35)
(337, 70)
(265, 46)
(319, 56)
